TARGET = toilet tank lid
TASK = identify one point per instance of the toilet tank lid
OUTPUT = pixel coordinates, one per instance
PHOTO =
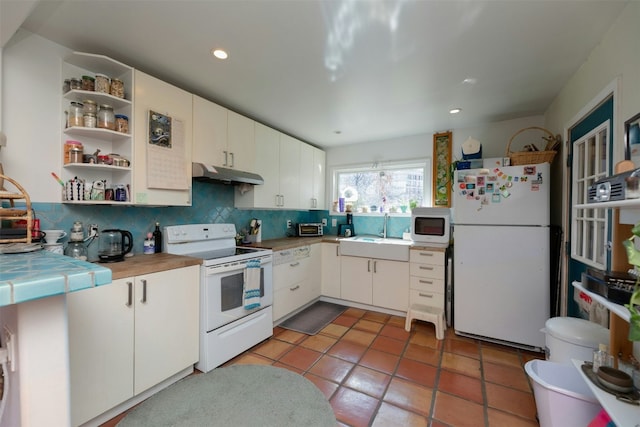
(577, 331)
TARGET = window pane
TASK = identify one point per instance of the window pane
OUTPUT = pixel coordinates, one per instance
(381, 189)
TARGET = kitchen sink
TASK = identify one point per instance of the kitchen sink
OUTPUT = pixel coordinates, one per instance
(376, 247)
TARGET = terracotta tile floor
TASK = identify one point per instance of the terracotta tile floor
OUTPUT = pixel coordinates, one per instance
(374, 373)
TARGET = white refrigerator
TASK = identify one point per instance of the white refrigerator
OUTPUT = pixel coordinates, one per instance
(501, 254)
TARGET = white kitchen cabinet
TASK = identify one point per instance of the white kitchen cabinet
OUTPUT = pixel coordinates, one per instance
(427, 281)
(240, 152)
(278, 162)
(162, 176)
(377, 282)
(331, 269)
(209, 132)
(93, 139)
(128, 336)
(295, 279)
(311, 181)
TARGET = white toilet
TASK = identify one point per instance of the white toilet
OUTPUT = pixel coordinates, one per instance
(563, 399)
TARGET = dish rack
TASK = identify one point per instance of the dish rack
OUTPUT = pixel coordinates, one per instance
(13, 212)
(532, 155)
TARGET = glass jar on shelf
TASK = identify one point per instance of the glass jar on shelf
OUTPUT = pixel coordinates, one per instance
(106, 118)
(88, 83)
(103, 83)
(75, 116)
(75, 84)
(117, 88)
(90, 106)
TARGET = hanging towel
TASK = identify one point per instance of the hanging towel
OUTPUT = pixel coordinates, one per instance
(252, 284)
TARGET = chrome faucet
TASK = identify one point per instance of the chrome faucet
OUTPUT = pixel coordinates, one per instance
(384, 225)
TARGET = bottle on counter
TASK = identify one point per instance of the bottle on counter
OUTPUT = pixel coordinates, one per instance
(157, 237)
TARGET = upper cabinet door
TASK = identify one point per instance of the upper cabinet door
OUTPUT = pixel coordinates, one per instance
(209, 132)
(162, 175)
(319, 165)
(240, 142)
(290, 171)
(306, 176)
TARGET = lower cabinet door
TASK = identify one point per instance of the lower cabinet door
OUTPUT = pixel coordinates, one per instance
(166, 324)
(355, 279)
(100, 349)
(391, 284)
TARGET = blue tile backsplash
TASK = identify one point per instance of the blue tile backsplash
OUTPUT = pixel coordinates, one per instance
(212, 203)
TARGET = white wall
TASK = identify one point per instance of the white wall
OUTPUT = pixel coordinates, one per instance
(32, 113)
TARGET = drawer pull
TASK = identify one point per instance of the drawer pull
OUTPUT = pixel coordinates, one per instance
(295, 264)
(295, 288)
(428, 282)
(422, 267)
(426, 254)
(425, 295)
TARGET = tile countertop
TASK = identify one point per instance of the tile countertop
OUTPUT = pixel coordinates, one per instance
(29, 276)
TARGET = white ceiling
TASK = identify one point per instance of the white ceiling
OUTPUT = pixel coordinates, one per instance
(371, 69)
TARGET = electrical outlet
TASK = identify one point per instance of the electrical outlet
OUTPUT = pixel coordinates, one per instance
(93, 230)
(289, 223)
(324, 221)
(334, 222)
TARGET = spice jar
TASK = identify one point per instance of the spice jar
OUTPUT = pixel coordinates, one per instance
(88, 83)
(102, 83)
(72, 145)
(89, 106)
(75, 114)
(75, 84)
(106, 117)
(122, 123)
(117, 88)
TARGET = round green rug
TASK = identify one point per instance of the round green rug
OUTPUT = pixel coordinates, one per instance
(238, 396)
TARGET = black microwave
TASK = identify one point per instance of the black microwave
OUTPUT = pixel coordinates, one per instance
(310, 229)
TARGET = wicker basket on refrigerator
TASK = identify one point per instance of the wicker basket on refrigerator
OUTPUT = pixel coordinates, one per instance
(533, 157)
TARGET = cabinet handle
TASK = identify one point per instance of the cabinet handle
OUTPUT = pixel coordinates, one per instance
(144, 291)
(282, 197)
(426, 254)
(130, 294)
(314, 202)
(425, 295)
(375, 265)
(428, 282)
(337, 250)
(226, 158)
(422, 267)
(295, 288)
(232, 160)
(294, 264)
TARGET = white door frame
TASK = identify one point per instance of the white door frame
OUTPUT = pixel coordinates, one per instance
(618, 154)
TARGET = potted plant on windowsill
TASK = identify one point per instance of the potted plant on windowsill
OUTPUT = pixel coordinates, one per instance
(633, 256)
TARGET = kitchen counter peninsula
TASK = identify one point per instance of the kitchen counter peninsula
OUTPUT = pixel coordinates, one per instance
(295, 242)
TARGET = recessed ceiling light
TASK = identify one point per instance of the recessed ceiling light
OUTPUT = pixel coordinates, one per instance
(455, 110)
(219, 53)
(470, 80)
(337, 132)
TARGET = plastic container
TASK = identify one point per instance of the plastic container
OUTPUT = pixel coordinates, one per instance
(563, 398)
(572, 338)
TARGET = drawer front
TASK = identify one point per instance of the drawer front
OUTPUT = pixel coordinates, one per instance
(427, 270)
(426, 257)
(290, 273)
(432, 299)
(288, 299)
(427, 284)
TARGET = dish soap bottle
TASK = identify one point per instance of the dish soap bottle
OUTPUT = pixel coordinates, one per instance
(157, 237)
(148, 247)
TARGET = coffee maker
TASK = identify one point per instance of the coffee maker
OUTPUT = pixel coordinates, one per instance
(346, 230)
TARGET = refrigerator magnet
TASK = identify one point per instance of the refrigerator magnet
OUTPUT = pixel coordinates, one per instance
(529, 170)
(489, 187)
(535, 187)
(505, 194)
(495, 198)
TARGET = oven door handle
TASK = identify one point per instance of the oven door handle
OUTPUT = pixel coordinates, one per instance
(236, 266)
